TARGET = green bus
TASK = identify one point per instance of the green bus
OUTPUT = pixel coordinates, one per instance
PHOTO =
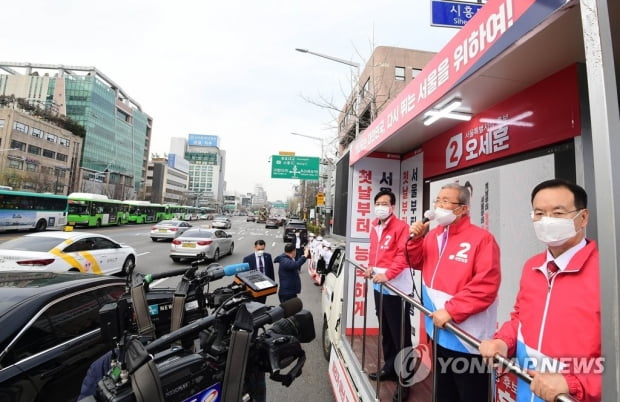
(24, 210)
(146, 212)
(95, 210)
(183, 212)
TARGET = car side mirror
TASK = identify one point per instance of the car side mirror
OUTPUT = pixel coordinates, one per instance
(229, 235)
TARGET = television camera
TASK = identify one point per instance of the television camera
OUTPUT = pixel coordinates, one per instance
(191, 344)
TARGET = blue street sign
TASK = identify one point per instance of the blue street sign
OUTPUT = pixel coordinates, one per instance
(452, 13)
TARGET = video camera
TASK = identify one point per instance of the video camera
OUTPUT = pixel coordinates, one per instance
(221, 341)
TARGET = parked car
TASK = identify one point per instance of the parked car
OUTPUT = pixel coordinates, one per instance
(292, 226)
(271, 223)
(250, 218)
(67, 251)
(212, 242)
(50, 332)
(169, 229)
(221, 222)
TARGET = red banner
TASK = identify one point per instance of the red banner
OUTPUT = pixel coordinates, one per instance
(543, 114)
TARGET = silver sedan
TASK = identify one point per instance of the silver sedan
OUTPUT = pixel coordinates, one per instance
(212, 242)
(169, 229)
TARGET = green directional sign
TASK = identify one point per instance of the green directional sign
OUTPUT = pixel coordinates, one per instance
(294, 167)
(279, 206)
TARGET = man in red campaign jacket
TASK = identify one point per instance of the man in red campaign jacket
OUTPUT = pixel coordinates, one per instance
(461, 275)
(554, 330)
(387, 263)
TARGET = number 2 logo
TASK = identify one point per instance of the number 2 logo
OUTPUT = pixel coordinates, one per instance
(454, 150)
(461, 255)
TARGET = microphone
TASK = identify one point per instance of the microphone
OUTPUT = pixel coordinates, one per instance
(228, 270)
(429, 215)
(284, 310)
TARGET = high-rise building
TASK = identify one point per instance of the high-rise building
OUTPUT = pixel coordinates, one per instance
(118, 131)
(259, 197)
(206, 168)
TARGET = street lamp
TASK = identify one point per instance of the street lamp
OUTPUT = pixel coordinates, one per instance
(324, 187)
(356, 88)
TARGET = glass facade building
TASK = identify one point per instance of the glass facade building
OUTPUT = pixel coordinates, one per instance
(118, 132)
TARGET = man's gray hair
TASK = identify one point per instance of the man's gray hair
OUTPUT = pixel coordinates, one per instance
(464, 194)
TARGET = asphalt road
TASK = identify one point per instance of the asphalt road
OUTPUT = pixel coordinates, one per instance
(313, 384)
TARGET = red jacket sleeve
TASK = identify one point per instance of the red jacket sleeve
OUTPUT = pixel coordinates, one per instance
(415, 250)
(399, 262)
(481, 291)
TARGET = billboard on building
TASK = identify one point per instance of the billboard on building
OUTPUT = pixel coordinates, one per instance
(203, 140)
(177, 162)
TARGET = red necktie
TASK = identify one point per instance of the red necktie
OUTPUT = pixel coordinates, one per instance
(552, 269)
(261, 267)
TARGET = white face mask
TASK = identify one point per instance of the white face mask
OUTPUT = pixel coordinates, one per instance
(259, 253)
(444, 217)
(555, 231)
(382, 212)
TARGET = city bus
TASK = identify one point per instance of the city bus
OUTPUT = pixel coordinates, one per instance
(183, 212)
(24, 210)
(145, 212)
(95, 210)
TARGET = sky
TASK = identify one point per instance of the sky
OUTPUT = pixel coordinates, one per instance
(226, 68)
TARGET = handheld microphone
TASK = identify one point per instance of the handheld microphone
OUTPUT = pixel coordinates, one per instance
(429, 215)
(284, 310)
(228, 270)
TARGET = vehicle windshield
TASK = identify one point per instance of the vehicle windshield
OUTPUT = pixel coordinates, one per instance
(197, 233)
(169, 223)
(27, 243)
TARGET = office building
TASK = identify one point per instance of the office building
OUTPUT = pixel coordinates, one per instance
(388, 71)
(118, 132)
(207, 164)
(36, 154)
(167, 181)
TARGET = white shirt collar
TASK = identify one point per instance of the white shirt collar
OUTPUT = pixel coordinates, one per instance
(564, 258)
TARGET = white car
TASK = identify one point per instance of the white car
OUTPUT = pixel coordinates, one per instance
(67, 251)
(168, 229)
(221, 222)
(212, 242)
(332, 299)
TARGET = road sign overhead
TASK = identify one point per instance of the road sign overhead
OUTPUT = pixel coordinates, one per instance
(453, 13)
(294, 167)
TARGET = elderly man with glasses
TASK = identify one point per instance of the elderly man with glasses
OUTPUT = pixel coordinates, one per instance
(461, 275)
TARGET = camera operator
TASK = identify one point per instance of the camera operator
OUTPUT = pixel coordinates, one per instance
(288, 272)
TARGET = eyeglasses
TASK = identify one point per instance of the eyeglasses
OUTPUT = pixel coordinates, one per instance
(382, 204)
(537, 214)
(445, 202)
